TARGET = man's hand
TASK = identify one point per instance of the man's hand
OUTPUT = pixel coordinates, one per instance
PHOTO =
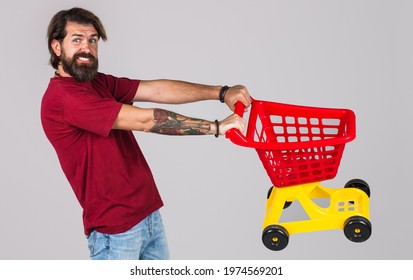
(233, 121)
(235, 94)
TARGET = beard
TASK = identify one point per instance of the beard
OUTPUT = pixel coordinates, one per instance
(81, 72)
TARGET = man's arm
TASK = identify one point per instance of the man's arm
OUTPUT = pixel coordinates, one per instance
(166, 122)
(179, 92)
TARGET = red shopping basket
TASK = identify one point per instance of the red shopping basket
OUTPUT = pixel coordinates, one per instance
(296, 144)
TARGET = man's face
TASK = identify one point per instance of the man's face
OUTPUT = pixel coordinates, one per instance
(79, 51)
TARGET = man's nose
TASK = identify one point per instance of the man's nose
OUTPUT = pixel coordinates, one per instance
(86, 46)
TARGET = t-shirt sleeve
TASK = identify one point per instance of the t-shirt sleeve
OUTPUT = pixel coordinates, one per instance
(91, 113)
(96, 108)
(122, 89)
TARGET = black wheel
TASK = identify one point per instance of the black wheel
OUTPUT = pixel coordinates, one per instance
(269, 192)
(286, 204)
(359, 184)
(357, 229)
(275, 237)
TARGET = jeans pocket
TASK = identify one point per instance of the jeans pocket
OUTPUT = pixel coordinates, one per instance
(91, 240)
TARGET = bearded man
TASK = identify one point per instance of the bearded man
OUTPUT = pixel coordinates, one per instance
(89, 117)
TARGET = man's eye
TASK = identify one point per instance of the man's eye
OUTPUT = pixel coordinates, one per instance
(93, 41)
(76, 40)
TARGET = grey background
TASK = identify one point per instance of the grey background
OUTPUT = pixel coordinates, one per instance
(351, 54)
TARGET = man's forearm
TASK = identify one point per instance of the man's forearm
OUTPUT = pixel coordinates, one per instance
(175, 92)
(170, 123)
(162, 121)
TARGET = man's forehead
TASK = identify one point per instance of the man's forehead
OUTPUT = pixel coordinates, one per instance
(80, 29)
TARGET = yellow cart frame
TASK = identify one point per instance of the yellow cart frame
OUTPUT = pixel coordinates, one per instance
(348, 210)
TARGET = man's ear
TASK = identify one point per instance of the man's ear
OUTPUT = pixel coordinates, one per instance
(56, 47)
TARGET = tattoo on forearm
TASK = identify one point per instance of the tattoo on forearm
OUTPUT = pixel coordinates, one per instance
(170, 123)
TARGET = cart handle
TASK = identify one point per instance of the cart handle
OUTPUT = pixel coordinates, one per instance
(234, 134)
(239, 109)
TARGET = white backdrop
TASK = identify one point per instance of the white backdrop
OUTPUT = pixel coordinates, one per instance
(329, 53)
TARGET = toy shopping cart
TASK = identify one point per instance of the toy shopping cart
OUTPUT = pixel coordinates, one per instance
(300, 147)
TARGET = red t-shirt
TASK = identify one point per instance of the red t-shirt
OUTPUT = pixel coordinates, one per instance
(106, 168)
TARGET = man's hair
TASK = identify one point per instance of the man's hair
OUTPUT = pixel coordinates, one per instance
(57, 28)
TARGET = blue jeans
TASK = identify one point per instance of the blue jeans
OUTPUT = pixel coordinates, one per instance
(145, 241)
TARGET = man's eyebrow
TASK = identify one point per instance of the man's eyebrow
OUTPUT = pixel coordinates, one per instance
(82, 35)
